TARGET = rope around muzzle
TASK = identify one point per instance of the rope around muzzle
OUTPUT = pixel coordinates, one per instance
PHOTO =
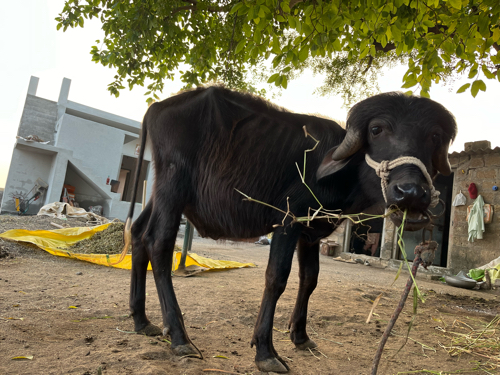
(385, 166)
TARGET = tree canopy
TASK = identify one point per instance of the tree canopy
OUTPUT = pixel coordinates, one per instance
(239, 41)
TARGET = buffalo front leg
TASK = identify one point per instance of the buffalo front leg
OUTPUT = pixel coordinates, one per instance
(308, 256)
(140, 262)
(277, 272)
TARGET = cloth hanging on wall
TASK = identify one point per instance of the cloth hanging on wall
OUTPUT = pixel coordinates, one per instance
(472, 190)
(459, 200)
(476, 220)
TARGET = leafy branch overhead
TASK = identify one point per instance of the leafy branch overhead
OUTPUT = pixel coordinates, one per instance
(147, 41)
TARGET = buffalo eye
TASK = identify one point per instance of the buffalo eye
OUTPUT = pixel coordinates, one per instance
(376, 130)
(436, 138)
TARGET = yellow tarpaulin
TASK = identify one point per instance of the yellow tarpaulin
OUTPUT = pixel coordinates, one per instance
(56, 241)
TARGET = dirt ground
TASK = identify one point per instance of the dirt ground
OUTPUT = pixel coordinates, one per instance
(72, 317)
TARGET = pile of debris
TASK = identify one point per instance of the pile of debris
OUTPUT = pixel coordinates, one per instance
(109, 241)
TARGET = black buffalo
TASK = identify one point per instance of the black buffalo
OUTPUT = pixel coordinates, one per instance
(208, 142)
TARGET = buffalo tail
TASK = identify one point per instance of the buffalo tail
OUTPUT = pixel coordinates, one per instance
(127, 237)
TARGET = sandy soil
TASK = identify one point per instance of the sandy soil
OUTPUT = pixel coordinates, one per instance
(38, 291)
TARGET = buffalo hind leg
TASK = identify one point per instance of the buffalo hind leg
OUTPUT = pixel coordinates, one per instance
(140, 262)
(308, 256)
(161, 232)
(277, 272)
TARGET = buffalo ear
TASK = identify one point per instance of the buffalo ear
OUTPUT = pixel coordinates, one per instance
(440, 160)
(329, 166)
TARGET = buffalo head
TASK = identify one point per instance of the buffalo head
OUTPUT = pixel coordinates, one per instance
(390, 126)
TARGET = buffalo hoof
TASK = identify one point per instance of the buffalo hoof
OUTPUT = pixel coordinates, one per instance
(150, 330)
(187, 350)
(272, 365)
(309, 344)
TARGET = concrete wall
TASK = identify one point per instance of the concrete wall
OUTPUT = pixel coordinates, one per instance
(97, 147)
(480, 165)
(25, 168)
(119, 209)
(129, 149)
(39, 118)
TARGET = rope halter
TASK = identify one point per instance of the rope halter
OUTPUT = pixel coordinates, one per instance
(385, 166)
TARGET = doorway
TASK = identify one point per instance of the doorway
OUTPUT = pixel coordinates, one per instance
(441, 232)
(126, 179)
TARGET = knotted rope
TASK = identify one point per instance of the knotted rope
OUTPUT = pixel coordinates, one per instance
(385, 166)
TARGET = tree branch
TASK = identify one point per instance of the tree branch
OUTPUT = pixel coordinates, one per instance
(388, 47)
(180, 9)
(194, 6)
(368, 66)
(295, 2)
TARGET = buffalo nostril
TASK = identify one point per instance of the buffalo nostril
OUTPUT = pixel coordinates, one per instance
(408, 191)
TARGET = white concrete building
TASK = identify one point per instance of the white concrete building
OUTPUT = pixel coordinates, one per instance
(86, 146)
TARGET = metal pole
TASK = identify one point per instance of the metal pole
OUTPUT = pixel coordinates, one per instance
(191, 235)
(188, 241)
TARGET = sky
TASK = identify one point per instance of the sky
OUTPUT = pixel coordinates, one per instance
(31, 46)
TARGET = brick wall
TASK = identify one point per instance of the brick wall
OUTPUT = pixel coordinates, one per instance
(39, 118)
(480, 165)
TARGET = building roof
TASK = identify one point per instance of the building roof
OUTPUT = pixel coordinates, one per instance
(482, 151)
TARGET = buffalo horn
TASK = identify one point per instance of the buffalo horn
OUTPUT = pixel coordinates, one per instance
(352, 142)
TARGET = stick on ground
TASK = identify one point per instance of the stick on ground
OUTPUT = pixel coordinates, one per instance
(395, 315)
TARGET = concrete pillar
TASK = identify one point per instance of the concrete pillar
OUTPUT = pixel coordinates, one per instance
(33, 85)
(61, 106)
(347, 236)
(56, 178)
(388, 244)
(64, 93)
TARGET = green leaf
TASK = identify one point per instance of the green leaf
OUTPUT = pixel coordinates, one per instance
(284, 82)
(496, 34)
(304, 53)
(476, 86)
(457, 4)
(240, 46)
(309, 10)
(473, 72)
(487, 73)
(236, 7)
(364, 53)
(273, 78)
(424, 93)
(463, 88)
(409, 83)
(336, 45)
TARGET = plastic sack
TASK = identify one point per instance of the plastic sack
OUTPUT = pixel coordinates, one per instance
(459, 200)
